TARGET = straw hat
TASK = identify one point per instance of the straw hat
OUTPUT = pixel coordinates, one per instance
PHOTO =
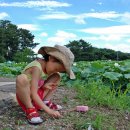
(63, 54)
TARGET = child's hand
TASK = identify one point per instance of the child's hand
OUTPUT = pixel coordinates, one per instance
(54, 114)
(50, 86)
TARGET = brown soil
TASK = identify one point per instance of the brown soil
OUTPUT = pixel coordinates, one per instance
(13, 118)
(7, 79)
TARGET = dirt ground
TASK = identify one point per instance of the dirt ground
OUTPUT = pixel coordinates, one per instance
(3, 79)
(13, 118)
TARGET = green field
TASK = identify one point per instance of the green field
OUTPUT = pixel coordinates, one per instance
(102, 85)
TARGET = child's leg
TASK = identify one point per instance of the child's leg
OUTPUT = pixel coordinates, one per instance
(54, 78)
(24, 99)
(23, 90)
(46, 93)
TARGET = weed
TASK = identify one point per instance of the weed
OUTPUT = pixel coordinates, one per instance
(97, 94)
(65, 99)
(6, 129)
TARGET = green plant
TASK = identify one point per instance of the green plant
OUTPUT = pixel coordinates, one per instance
(97, 124)
(97, 94)
(65, 99)
(6, 129)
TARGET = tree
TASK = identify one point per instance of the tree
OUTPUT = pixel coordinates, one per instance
(14, 40)
(81, 49)
(23, 55)
(26, 39)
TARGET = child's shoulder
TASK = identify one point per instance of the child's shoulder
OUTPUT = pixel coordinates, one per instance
(32, 64)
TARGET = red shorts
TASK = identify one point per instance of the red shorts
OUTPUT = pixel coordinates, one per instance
(40, 93)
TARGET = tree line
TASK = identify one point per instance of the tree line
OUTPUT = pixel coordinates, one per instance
(84, 51)
(17, 44)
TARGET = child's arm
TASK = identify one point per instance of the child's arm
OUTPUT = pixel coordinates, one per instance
(34, 95)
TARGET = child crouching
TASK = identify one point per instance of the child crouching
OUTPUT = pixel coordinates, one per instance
(32, 92)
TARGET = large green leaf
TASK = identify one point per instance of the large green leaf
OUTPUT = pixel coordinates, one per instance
(112, 75)
(97, 67)
(125, 67)
(127, 76)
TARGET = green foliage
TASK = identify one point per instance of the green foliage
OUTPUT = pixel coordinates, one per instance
(95, 80)
(65, 99)
(84, 51)
(14, 40)
(11, 69)
(98, 122)
(99, 79)
(2, 59)
(97, 94)
(99, 85)
(26, 55)
(81, 49)
(113, 74)
(7, 128)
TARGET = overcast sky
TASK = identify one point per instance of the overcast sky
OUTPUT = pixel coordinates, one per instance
(102, 23)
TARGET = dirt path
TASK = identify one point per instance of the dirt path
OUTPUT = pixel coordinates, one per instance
(3, 79)
(12, 117)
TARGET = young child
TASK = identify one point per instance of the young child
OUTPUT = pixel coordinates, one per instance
(34, 94)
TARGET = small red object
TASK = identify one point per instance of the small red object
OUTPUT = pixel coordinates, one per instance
(82, 108)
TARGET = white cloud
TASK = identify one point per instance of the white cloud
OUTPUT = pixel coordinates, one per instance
(126, 17)
(100, 3)
(104, 38)
(38, 40)
(80, 21)
(128, 40)
(80, 18)
(123, 47)
(110, 37)
(56, 15)
(102, 15)
(111, 34)
(43, 34)
(30, 27)
(92, 10)
(120, 30)
(36, 49)
(61, 37)
(119, 47)
(38, 3)
(3, 15)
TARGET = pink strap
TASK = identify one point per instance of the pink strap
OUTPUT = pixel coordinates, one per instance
(51, 105)
(40, 83)
(31, 112)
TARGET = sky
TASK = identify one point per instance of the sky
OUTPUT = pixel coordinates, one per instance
(102, 23)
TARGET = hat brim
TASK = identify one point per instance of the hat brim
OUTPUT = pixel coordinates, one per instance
(44, 50)
(49, 50)
(72, 75)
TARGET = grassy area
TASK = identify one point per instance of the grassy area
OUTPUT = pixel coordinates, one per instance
(104, 112)
(107, 111)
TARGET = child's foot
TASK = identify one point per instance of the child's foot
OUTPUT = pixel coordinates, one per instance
(53, 106)
(33, 116)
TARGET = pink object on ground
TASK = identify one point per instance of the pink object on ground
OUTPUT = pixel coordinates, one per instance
(82, 108)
